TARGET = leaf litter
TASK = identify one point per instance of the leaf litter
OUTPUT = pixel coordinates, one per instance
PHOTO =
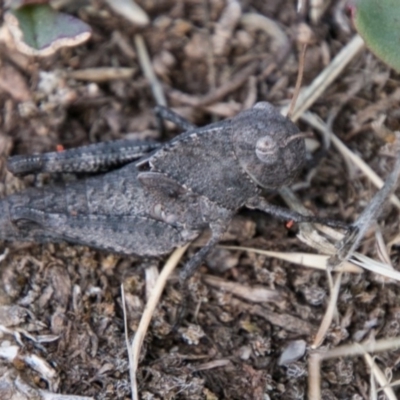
(71, 295)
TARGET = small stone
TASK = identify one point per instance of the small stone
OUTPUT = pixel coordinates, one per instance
(294, 351)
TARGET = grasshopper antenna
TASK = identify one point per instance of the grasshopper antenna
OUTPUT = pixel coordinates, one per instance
(299, 80)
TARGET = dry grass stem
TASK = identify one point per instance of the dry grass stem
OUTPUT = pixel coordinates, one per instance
(316, 261)
(103, 74)
(315, 361)
(381, 248)
(379, 377)
(213, 364)
(310, 94)
(370, 214)
(45, 395)
(329, 313)
(255, 294)
(318, 124)
(137, 342)
(237, 81)
(314, 376)
(375, 266)
(128, 347)
(148, 71)
(151, 276)
(299, 80)
(357, 349)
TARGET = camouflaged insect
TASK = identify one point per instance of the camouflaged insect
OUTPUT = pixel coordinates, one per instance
(158, 196)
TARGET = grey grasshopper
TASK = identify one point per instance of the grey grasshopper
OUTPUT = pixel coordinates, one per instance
(146, 199)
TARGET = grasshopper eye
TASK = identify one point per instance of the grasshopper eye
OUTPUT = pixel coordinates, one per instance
(267, 150)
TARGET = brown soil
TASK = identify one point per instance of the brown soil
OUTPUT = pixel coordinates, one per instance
(66, 299)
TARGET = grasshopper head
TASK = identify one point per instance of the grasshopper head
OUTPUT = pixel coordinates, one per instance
(268, 146)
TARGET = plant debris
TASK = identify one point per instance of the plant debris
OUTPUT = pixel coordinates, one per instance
(62, 321)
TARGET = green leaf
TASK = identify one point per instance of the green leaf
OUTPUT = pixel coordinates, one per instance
(378, 23)
(40, 30)
(19, 3)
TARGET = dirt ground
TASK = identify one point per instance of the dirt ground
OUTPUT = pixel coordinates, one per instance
(62, 303)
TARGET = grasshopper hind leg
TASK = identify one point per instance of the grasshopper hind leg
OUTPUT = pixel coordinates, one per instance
(86, 159)
(93, 158)
(123, 234)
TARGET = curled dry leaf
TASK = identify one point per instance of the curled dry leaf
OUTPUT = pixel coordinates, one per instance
(253, 21)
(225, 27)
(129, 10)
(14, 83)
